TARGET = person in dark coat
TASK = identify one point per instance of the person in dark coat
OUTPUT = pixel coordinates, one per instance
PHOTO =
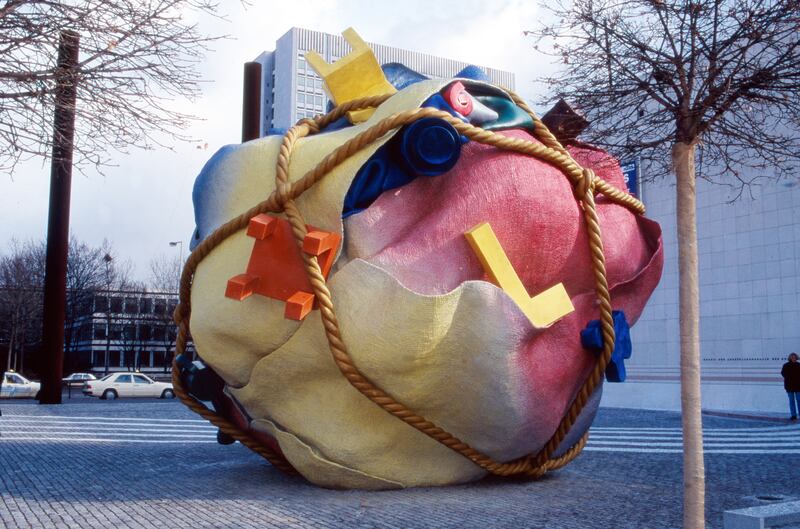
(791, 382)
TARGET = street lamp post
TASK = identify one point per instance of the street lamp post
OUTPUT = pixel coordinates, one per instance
(180, 260)
(177, 289)
(107, 258)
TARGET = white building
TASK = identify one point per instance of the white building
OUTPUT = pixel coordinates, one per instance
(749, 301)
(291, 90)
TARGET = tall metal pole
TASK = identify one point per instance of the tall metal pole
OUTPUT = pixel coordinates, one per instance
(251, 102)
(107, 259)
(55, 279)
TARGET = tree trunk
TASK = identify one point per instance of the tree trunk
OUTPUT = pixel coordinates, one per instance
(691, 418)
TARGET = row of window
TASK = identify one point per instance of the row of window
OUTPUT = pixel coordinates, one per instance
(133, 305)
(310, 101)
(303, 114)
(125, 332)
(118, 358)
(309, 84)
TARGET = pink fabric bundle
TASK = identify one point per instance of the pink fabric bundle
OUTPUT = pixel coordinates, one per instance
(416, 234)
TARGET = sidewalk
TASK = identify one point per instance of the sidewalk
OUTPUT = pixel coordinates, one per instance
(153, 464)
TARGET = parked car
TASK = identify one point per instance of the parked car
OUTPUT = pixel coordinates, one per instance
(14, 385)
(127, 385)
(76, 378)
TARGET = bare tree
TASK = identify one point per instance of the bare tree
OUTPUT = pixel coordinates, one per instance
(116, 276)
(136, 58)
(165, 273)
(658, 78)
(85, 276)
(21, 288)
(165, 277)
(21, 279)
(126, 324)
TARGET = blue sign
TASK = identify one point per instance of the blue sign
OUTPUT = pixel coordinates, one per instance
(630, 172)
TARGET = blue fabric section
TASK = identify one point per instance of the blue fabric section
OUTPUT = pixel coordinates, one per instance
(592, 338)
(474, 73)
(401, 75)
(381, 172)
(340, 123)
(427, 147)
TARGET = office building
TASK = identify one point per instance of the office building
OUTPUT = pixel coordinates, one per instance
(291, 90)
(749, 250)
(134, 328)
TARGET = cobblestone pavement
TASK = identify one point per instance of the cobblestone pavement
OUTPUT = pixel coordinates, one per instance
(91, 463)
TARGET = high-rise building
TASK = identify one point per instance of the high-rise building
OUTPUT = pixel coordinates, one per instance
(291, 90)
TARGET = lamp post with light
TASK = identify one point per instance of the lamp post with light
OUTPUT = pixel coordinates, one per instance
(180, 260)
(177, 288)
(107, 259)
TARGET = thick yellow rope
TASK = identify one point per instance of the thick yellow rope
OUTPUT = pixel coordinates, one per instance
(585, 183)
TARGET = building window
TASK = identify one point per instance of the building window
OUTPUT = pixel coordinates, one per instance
(131, 306)
(100, 304)
(100, 332)
(116, 304)
(301, 99)
(146, 305)
(301, 81)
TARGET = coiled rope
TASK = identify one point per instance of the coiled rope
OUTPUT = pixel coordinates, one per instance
(585, 185)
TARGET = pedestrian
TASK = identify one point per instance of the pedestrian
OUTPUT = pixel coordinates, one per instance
(791, 382)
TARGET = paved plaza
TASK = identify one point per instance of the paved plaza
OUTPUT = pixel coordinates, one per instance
(153, 464)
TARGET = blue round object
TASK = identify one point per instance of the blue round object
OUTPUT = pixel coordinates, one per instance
(430, 146)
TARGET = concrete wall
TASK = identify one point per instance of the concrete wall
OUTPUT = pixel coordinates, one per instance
(750, 307)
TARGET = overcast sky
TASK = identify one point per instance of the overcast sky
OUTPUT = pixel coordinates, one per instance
(145, 201)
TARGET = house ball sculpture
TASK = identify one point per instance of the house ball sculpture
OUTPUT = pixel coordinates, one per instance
(422, 287)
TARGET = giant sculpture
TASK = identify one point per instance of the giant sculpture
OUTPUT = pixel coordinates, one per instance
(422, 287)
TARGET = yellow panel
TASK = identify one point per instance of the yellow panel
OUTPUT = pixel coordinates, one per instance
(542, 310)
(550, 306)
(354, 76)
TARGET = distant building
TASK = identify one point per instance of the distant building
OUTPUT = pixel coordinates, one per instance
(749, 261)
(291, 90)
(136, 329)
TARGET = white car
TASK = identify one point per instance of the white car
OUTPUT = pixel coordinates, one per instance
(127, 385)
(74, 378)
(15, 385)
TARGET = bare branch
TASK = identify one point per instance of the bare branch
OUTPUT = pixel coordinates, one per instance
(136, 59)
(647, 73)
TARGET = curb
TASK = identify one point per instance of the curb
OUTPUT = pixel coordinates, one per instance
(746, 416)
